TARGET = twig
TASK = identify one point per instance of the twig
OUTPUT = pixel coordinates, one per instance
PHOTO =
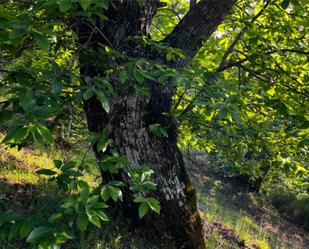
(180, 99)
(255, 74)
(173, 11)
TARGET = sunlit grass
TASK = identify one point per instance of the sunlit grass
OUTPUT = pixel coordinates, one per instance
(216, 206)
(21, 166)
(32, 158)
(216, 202)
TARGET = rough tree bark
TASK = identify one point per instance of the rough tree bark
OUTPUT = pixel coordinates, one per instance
(131, 115)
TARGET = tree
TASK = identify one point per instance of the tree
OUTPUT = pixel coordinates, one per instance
(133, 87)
(131, 115)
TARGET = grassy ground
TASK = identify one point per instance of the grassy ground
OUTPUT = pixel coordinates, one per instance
(237, 218)
(234, 217)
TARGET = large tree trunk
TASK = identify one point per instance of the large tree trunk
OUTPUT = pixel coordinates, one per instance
(131, 136)
(131, 115)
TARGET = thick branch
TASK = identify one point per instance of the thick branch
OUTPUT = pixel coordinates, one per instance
(197, 26)
(192, 3)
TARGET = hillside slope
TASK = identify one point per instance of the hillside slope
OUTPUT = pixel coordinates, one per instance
(234, 217)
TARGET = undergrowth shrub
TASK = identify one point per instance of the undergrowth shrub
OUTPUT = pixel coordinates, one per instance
(293, 206)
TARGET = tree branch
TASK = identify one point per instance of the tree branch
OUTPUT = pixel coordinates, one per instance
(255, 74)
(197, 26)
(239, 62)
(240, 34)
(172, 11)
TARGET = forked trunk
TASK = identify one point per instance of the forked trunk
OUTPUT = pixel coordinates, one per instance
(131, 114)
(130, 134)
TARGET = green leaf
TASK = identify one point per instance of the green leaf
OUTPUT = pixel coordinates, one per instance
(45, 133)
(105, 193)
(5, 116)
(70, 172)
(42, 41)
(68, 165)
(84, 194)
(99, 205)
(271, 92)
(47, 172)
(93, 218)
(163, 132)
(54, 245)
(9, 137)
(285, 4)
(229, 117)
(158, 131)
(67, 204)
(25, 228)
(14, 231)
(115, 193)
(303, 143)
(43, 112)
(101, 215)
(123, 76)
(235, 116)
(145, 176)
(38, 233)
(82, 222)
(154, 205)
(154, 127)
(149, 185)
(117, 183)
(102, 145)
(222, 112)
(88, 94)
(138, 76)
(85, 3)
(17, 33)
(55, 218)
(143, 209)
(104, 101)
(58, 163)
(108, 50)
(105, 133)
(104, 84)
(37, 137)
(138, 198)
(65, 5)
(21, 134)
(169, 56)
(92, 200)
(27, 100)
(89, 81)
(146, 75)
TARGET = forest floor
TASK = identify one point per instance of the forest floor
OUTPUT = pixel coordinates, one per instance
(233, 216)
